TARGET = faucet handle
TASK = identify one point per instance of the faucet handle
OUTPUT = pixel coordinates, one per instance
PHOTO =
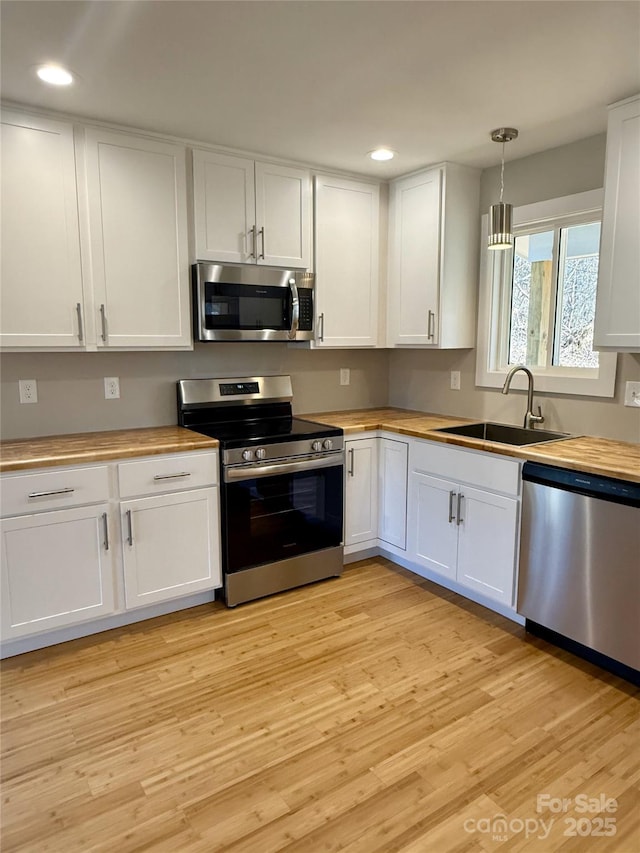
(539, 418)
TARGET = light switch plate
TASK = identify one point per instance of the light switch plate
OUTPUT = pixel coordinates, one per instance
(632, 394)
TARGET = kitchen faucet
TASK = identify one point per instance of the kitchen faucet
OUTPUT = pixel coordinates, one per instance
(530, 420)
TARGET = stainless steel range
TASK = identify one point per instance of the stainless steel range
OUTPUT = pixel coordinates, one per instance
(282, 484)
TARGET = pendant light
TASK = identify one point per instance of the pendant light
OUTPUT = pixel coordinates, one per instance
(500, 215)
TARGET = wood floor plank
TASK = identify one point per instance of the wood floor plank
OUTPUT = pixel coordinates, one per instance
(374, 713)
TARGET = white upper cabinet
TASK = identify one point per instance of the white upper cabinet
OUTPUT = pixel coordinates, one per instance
(94, 238)
(433, 258)
(42, 303)
(347, 262)
(251, 212)
(136, 193)
(617, 324)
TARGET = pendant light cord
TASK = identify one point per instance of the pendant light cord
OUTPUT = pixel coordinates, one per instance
(502, 173)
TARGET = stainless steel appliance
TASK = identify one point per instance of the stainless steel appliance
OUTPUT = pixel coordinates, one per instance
(246, 302)
(579, 582)
(281, 484)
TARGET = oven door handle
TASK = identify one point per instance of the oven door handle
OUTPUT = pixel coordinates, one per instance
(241, 472)
(295, 310)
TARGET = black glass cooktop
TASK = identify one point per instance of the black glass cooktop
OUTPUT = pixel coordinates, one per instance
(240, 433)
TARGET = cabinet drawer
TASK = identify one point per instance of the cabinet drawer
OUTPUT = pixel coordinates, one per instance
(466, 466)
(167, 473)
(55, 489)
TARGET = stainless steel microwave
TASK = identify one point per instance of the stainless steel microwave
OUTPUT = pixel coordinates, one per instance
(245, 302)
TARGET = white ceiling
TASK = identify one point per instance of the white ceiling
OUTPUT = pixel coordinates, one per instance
(324, 82)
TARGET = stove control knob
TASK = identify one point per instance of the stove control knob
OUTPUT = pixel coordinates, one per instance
(247, 455)
(327, 444)
(317, 445)
(261, 453)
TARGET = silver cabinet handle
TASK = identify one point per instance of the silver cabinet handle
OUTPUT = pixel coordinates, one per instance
(351, 461)
(295, 309)
(459, 519)
(129, 527)
(261, 233)
(103, 321)
(105, 522)
(254, 242)
(80, 324)
(321, 325)
(452, 495)
(172, 476)
(49, 494)
(430, 325)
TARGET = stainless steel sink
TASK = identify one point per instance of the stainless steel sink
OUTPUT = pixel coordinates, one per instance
(504, 433)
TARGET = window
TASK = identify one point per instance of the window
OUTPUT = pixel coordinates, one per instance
(537, 301)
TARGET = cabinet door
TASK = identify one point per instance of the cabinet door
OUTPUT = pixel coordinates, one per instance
(56, 570)
(487, 543)
(361, 486)
(618, 299)
(136, 190)
(433, 533)
(41, 297)
(283, 216)
(346, 256)
(393, 492)
(171, 546)
(414, 259)
(224, 208)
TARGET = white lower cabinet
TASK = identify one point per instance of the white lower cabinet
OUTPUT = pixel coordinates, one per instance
(170, 546)
(57, 569)
(67, 559)
(361, 492)
(392, 491)
(458, 530)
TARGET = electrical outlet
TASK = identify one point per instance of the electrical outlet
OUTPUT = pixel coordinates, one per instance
(345, 376)
(111, 388)
(455, 380)
(632, 394)
(28, 390)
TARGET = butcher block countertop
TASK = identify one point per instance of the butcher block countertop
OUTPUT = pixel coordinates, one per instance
(605, 456)
(78, 448)
(593, 455)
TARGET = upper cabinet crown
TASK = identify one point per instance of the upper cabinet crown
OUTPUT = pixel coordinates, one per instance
(94, 238)
(433, 258)
(251, 212)
(617, 323)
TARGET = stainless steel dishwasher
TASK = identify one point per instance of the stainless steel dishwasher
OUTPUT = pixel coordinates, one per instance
(579, 580)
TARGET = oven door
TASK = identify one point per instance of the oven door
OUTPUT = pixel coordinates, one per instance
(280, 510)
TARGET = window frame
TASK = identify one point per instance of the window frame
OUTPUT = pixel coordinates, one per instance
(494, 305)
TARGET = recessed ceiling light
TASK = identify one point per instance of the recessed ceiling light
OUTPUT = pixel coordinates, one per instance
(56, 75)
(382, 154)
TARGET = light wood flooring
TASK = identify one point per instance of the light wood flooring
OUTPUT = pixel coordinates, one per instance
(375, 712)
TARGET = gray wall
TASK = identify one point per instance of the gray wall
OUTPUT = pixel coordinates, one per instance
(422, 379)
(70, 388)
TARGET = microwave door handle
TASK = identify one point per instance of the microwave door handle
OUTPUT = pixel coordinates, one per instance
(295, 309)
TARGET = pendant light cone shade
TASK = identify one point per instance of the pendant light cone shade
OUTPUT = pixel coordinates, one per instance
(501, 214)
(500, 217)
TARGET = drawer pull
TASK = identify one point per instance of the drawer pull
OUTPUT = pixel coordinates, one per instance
(172, 476)
(50, 494)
